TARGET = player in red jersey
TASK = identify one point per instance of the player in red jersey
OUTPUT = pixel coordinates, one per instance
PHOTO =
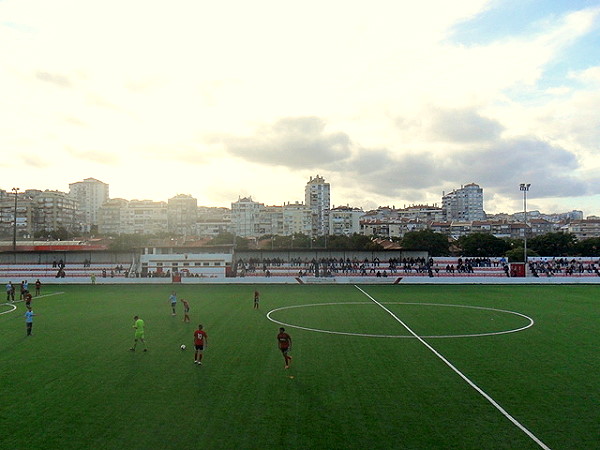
(200, 341)
(27, 299)
(284, 341)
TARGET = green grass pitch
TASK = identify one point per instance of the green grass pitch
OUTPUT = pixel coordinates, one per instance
(361, 382)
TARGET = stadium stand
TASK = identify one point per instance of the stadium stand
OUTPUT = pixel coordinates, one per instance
(419, 267)
(32, 270)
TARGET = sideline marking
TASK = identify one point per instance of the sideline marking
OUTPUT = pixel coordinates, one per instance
(460, 374)
(402, 336)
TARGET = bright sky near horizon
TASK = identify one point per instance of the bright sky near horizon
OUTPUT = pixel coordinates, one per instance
(391, 102)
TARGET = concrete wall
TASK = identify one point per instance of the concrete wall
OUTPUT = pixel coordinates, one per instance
(334, 280)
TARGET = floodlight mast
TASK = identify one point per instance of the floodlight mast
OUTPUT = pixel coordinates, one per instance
(525, 188)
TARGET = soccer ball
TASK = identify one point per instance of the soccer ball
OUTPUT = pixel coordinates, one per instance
(182, 346)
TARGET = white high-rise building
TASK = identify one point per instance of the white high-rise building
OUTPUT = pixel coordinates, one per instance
(90, 195)
(317, 195)
(182, 213)
(464, 204)
(245, 217)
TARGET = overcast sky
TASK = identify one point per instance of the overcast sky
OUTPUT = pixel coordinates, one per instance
(392, 102)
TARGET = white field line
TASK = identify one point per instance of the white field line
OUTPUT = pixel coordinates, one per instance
(396, 336)
(460, 374)
(14, 307)
(10, 310)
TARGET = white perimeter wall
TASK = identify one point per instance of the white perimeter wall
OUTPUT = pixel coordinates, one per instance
(333, 280)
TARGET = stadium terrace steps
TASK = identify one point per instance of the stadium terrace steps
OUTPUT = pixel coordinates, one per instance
(30, 271)
(481, 267)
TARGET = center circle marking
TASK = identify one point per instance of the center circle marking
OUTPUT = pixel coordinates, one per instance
(9, 310)
(495, 333)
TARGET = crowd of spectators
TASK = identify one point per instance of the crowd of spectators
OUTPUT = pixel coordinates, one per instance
(563, 267)
(325, 267)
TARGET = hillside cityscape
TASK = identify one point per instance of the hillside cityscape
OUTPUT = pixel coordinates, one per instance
(88, 210)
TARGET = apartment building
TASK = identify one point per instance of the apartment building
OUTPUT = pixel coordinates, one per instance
(119, 216)
(464, 204)
(297, 218)
(245, 217)
(344, 220)
(55, 210)
(584, 229)
(90, 195)
(317, 196)
(182, 214)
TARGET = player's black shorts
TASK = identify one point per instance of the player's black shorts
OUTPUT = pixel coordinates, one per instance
(199, 347)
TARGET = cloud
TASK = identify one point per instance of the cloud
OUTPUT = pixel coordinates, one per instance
(463, 125)
(499, 168)
(34, 162)
(53, 78)
(381, 172)
(590, 75)
(503, 165)
(295, 142)
(465, 147)
(74, 121)
(353, 97)
(93, 156)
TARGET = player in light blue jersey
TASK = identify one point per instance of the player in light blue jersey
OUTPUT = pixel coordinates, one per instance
(29, 320)
(173, 300)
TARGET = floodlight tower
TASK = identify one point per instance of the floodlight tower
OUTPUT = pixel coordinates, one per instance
(525, 188)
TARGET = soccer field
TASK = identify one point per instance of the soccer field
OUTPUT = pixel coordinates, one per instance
(374, 367)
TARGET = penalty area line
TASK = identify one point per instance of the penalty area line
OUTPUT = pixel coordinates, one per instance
(460, 374)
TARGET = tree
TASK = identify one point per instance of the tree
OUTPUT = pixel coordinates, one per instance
(300, 240)
(483, 245)
(241, 243)
(514, 242)
(588, 247)
(553, 244)
(436, 244)
(339, 243)
(60, 234)
(518, 254)
(352, 242)
(223, 238)
(127, 242)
